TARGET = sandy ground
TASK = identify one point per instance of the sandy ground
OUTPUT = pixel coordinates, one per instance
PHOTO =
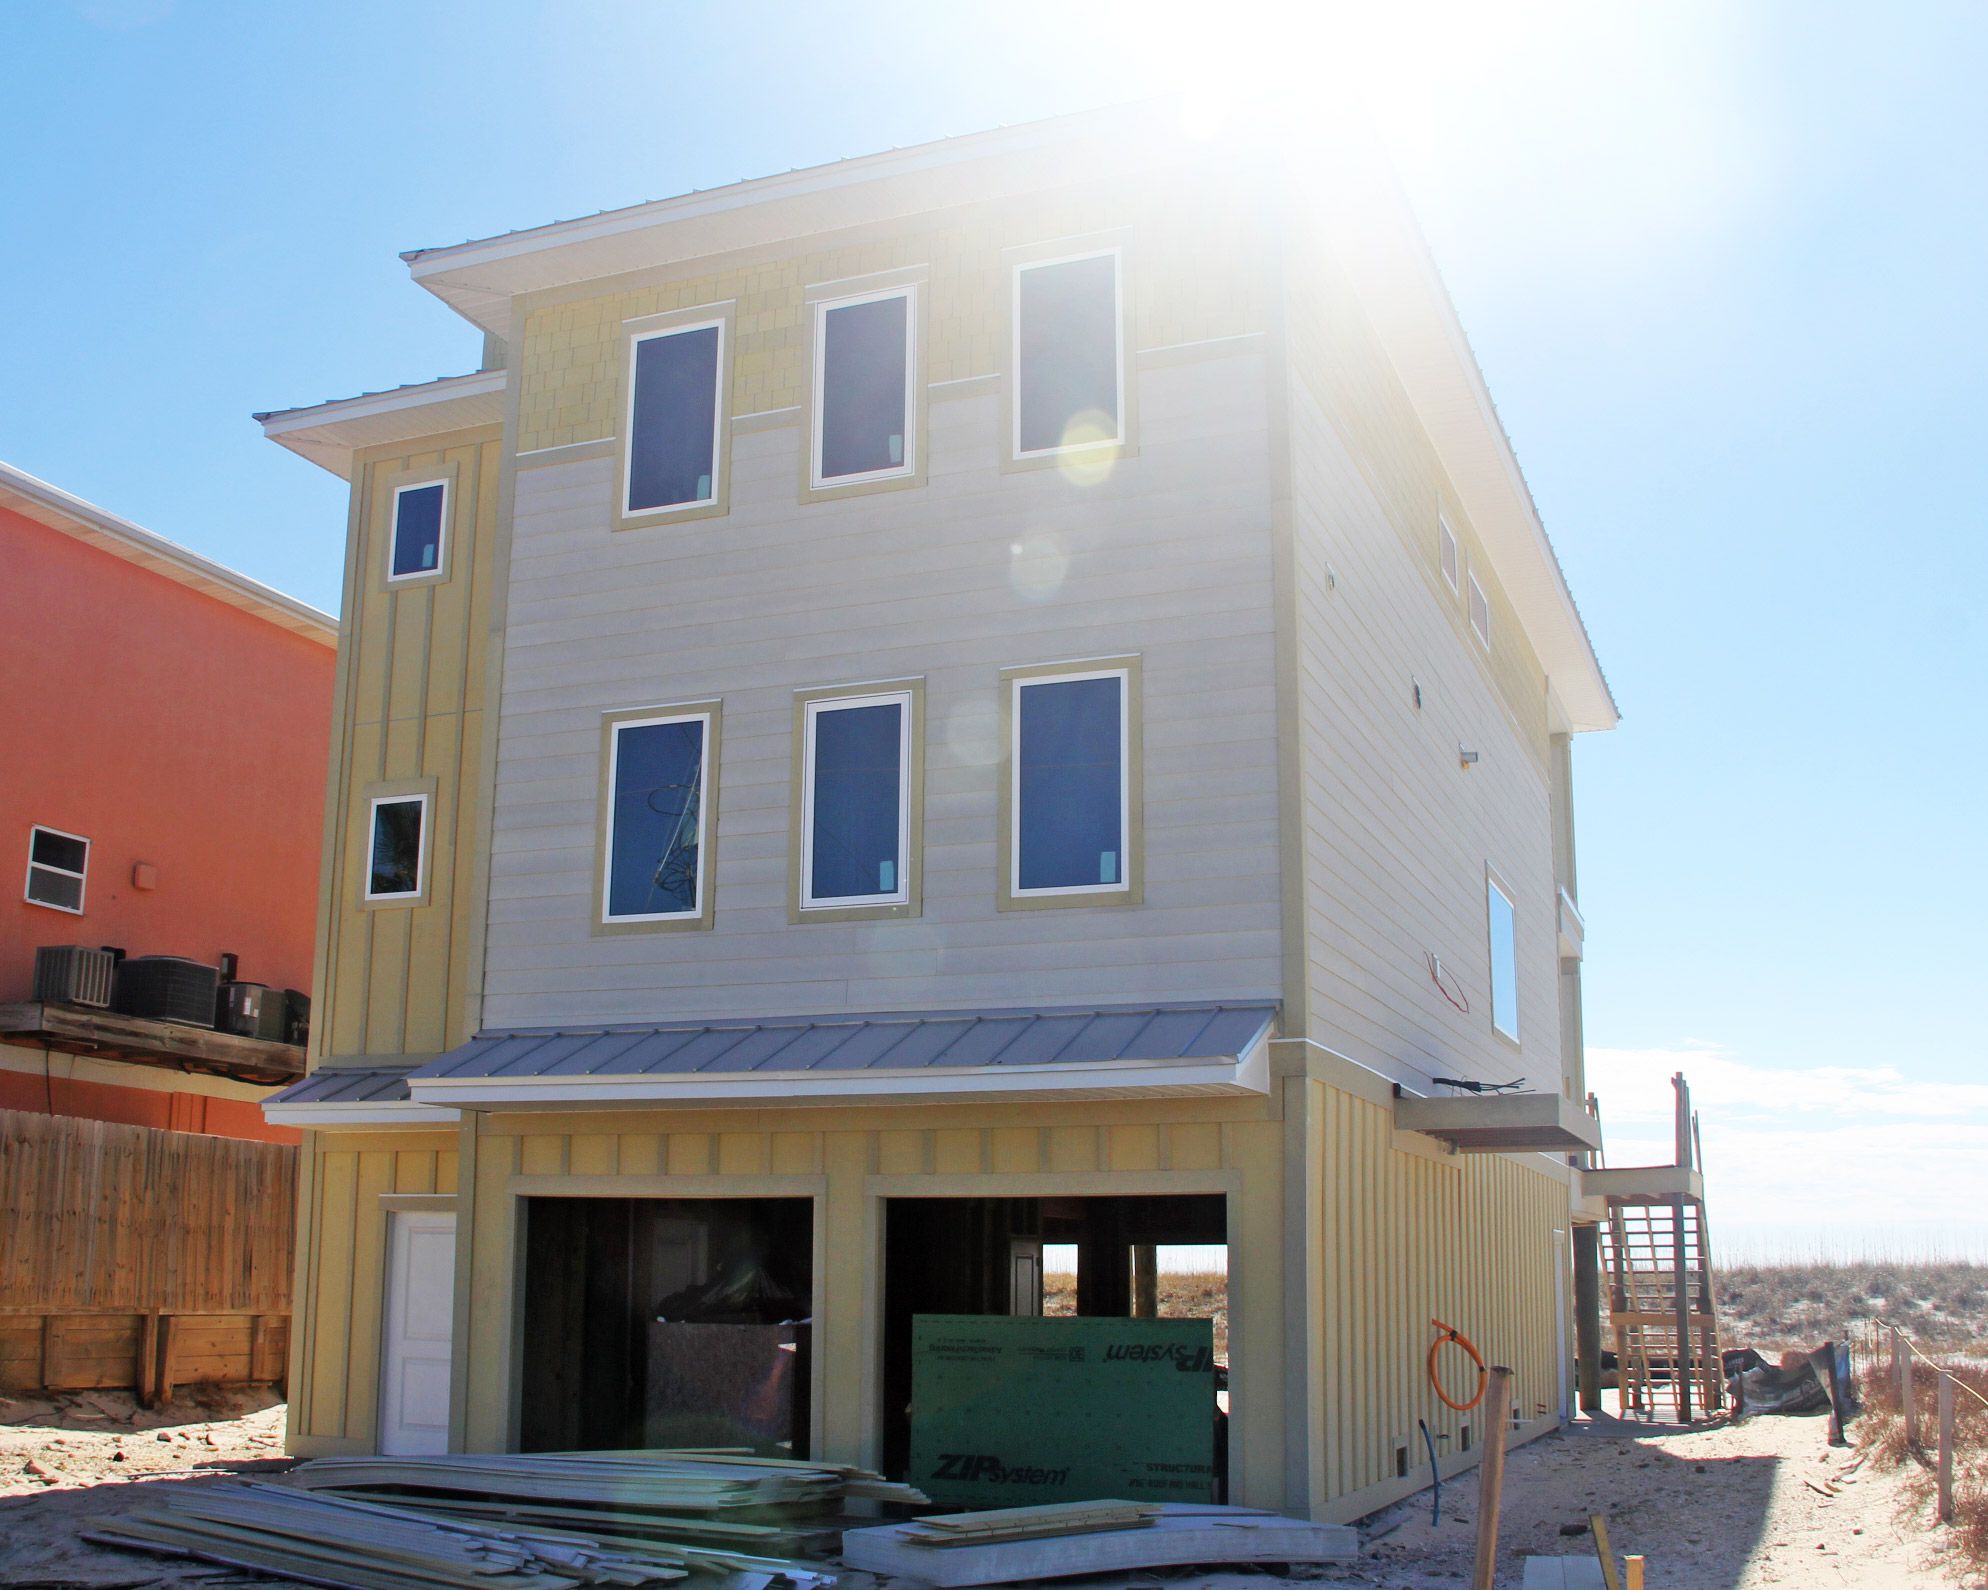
(1764, 1503)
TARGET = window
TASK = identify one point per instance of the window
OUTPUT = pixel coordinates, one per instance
(1446, 552)
(1504, 961)
(420, 515)
(657, 858)
(863, 389)
(397, 858)
(1072, 756)
(1069, 356)
(673, 417)
(58, 864)
(856, 800)
(1480, 612)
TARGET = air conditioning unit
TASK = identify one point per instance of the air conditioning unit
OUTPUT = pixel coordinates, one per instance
(73, 974)
(252, 1010)
(297, 1027)
(167, 988)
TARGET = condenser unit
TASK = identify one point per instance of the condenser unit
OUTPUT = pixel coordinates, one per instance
(167, 988)
(73, 974)
(252, 1010)
(297, 1025)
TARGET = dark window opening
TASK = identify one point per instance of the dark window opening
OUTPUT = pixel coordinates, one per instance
(664, 1322)
(396, 858)
(417, 529)
(656, 819)
(1066, 352)
(856, 790)
(864, 390)
(1070, 802)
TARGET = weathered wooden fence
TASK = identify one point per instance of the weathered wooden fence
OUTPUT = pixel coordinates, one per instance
(136, 1257)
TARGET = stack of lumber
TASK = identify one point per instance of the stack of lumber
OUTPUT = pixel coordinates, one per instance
(535, 1522)
(1014, 1545)
(1051, 1522)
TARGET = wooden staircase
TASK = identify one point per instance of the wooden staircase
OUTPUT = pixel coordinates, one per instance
(1663, 1307)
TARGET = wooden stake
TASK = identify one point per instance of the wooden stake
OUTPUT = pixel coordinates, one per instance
(1901, 1368)
(1946, 1447)
(1491, 1475)
(1598, 1527)
(1632, 1574)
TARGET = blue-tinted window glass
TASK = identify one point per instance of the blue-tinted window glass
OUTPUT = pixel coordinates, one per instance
(862, 388)
(1068, 351)
(1070, 829)
(1504, 963)
(656, 819)
(396, 865)
(853, 841)
(676, 404)
(417, 530)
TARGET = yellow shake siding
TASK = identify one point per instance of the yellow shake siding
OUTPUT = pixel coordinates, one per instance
(1193, 273)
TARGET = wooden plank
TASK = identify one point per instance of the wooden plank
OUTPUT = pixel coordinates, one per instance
(146, 1370)
(164, 1374)
(1946, 1447)
(1491, 1477)
(105, 1032)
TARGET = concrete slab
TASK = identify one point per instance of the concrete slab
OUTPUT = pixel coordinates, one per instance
(1563, 1573)
(1183, 1536)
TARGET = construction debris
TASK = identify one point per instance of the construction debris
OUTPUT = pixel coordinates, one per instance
(1013, 1544)
(535, 1522)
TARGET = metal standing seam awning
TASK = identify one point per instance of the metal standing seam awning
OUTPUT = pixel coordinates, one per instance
(1104, 1052)
(335, 1095)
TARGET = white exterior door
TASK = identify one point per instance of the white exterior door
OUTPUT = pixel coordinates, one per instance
(414, 1351)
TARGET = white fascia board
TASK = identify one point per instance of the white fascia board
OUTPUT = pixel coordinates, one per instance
(328, 434)
(320, 1117)
(480, 278)
(1247, 1076)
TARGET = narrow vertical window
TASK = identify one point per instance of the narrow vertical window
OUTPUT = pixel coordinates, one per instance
(863, 379)
(855, 798)
(1504, 961)
(58, 867)
(1069, 357)
(397, 850)
(673, 415)
(1480, 612)
(657, 819)
(420, 520)
(1446, 552)
(1070, 796)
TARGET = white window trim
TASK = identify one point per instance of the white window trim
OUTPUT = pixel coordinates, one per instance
(441, 529)
(1449, 555)
(1493, 886)
(82, 878)
(696, 912)
(420, 850)
(1117, 255)
(810, 901)
(657, 510)
(1017, 686)
(816, 479)
(1477, 598)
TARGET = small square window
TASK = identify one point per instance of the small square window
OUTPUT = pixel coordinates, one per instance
(1446, 552)
(1503, 927)
(1480, 612)
(397, 856)
(1069, 363)
(673, 417)
(1070, 798)
(420, 521)
(656, 855)
(863, 389)
(58, 867)
(855, 801)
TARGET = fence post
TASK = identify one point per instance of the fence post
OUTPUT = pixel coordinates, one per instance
(1901, 1372)
(1946, 1447)
(1491, 1477)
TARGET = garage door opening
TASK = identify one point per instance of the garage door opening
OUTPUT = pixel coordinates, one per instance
(1043, 1257)
(667, 1322)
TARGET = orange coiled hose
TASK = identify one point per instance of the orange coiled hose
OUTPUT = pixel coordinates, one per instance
(1449, 1333)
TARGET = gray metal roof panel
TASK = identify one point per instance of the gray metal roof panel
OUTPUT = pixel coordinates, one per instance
(348, 1085)
(888, 1042)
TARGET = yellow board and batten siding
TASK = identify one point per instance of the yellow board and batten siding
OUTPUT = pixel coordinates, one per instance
(411, 707)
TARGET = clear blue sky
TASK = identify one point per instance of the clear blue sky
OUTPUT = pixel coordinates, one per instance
(1725, 268)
